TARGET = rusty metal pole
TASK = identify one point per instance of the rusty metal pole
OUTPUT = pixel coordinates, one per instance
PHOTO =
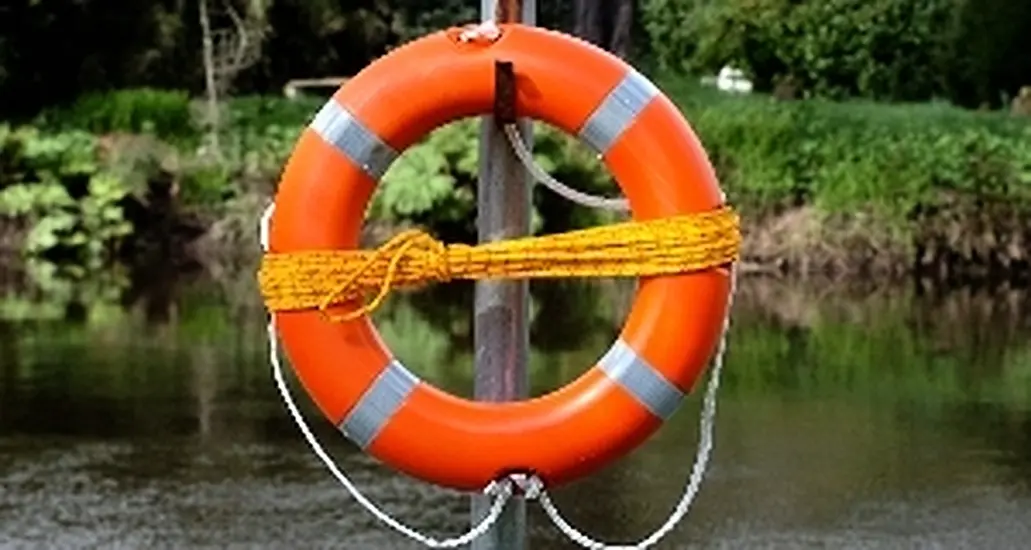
(501, 331)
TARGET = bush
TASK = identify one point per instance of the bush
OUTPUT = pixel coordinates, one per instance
(55, 186)
(165, 113)
(434, 182)
(883, 49)
(968, 52)
(837, 156)
(844, 156)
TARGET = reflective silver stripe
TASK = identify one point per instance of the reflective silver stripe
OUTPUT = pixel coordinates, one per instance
(617, 111)
(342, 130)
(647, 385)
(378, 404)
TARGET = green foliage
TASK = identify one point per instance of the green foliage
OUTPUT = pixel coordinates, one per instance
(260, 134)
(844, 156)
(969, 51)
(69, 205)
(879, 49)
(674, 28)
(165, 113)
(425, 182)
(840, 157)
(832, 47)
(206, 185)
(424, 16)
(837, 156)
(262, 112)
(434, 182)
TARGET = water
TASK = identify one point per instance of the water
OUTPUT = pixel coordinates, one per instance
(848, 419)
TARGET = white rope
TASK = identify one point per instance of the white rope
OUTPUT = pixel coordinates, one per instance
(707, 424)
(559, 188)
(487, 30)
(531, 486)
(502, 491)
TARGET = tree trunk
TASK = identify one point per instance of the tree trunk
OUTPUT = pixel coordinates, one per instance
(588, 21)
(622, 25)
(209, 79)
(605, 23)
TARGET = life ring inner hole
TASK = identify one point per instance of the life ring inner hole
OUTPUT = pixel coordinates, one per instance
(431, 330)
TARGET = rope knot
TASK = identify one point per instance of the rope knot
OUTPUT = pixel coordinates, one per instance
(503, 488)
(408, 250)
(434, 253)
(531, 486)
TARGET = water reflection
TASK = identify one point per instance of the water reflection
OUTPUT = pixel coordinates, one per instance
(850, 418)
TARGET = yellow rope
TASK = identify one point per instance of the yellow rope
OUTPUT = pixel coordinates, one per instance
(321, 279)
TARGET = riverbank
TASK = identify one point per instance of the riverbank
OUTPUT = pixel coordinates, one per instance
(954, 246)
(844, 190)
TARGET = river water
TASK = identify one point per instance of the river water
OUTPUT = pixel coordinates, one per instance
(848, 418)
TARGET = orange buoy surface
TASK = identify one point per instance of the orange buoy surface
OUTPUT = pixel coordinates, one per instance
(672, 328)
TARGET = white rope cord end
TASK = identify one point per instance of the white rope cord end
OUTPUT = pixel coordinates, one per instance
(487, 30)
(263, 229)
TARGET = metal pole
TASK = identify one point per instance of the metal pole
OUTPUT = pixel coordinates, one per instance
(501, 332)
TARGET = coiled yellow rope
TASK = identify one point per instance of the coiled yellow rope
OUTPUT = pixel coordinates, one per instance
(321, 279)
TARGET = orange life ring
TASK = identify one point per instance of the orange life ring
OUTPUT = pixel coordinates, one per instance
(672, 328)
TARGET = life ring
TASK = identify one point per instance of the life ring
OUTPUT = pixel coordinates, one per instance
(671, 330)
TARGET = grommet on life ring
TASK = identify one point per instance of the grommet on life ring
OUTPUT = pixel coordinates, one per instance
(671, 330)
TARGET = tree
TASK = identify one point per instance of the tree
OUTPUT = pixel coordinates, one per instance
(606, 23)
(883, 49)
(967, 51)
(227, 52)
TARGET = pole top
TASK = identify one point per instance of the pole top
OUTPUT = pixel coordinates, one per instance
(509, 11)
